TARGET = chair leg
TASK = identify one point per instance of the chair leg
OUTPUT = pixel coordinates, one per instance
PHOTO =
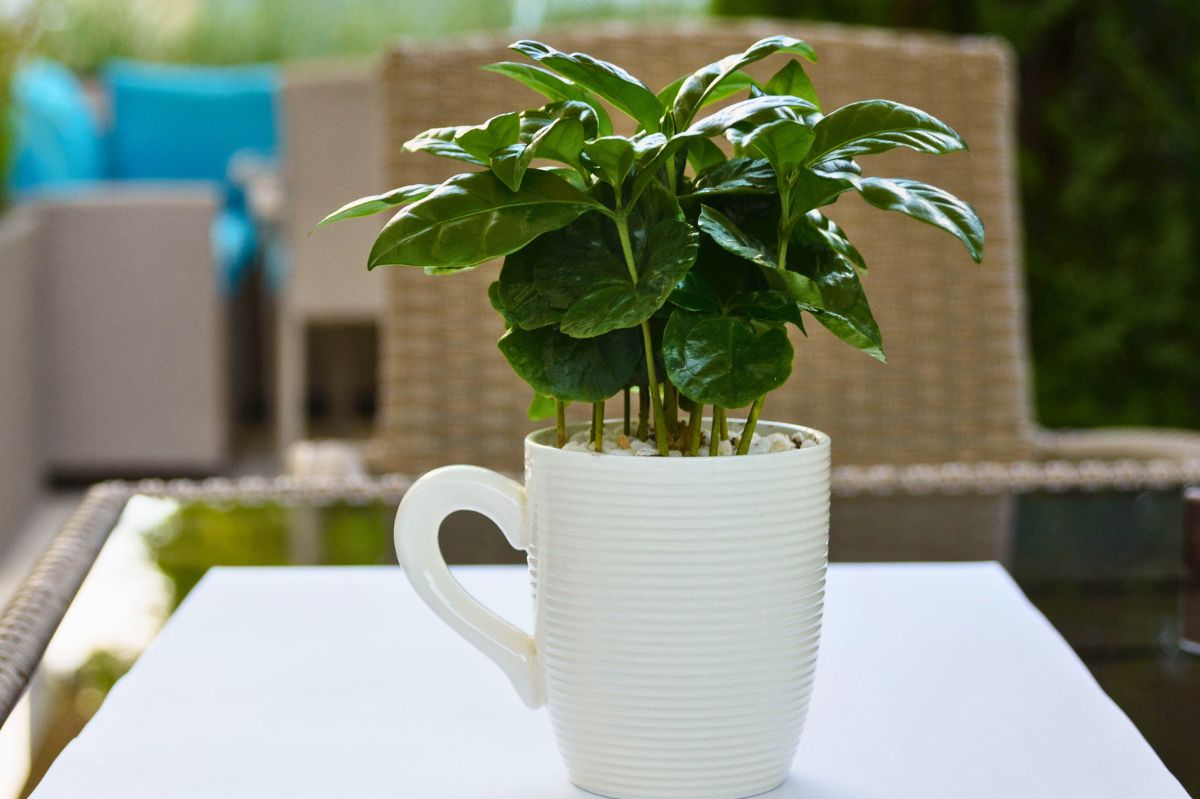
(290, 379)
(1189, 593)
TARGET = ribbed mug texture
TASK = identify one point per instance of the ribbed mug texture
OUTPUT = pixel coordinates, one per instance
(678, 613)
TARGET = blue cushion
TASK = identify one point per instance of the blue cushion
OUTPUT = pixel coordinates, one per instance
(234, 242)
(185, 122)
(57, 139)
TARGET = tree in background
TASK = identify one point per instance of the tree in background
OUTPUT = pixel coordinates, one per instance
(1110, 180)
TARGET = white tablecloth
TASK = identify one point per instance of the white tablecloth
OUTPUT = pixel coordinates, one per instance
(336, 683)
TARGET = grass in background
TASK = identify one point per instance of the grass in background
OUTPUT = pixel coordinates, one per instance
(85, 33)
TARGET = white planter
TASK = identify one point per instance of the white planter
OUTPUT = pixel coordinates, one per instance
(678, 607)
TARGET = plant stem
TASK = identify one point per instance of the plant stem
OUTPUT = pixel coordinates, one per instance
(694, 422)
(751, 423)
(598, 425)
(643, 411)
(714, 432)
(660, 422)
(560, 421)
(784, 225)
(724, 425)
(626, 428)
(671, 406)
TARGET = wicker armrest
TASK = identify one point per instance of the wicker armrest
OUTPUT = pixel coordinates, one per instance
(1139, 443)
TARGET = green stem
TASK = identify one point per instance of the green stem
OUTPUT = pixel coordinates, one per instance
(694, 422)
(560, 422)
(660, 421)
(714, 432)
(785, 228)
(751, 423)
(598, 426)
(626, 428)
(671, 406)
(724, 425)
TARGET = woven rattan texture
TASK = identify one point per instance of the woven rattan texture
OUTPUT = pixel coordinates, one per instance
(956, 388)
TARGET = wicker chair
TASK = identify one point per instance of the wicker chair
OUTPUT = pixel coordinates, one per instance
(929, 447)
(333, 148)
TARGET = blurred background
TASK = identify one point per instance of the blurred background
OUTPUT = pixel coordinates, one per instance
(163, 312)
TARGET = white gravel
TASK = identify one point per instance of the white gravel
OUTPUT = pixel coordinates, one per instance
(618, 444)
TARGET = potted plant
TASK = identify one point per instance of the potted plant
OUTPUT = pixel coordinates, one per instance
(678, 595)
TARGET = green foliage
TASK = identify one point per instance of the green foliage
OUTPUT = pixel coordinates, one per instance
(634, 267)
(1109, 132)
(16, 36)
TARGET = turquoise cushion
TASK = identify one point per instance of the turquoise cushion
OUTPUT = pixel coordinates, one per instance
(186, 122)
(57, 139)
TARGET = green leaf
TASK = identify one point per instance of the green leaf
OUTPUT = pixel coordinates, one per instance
(696, 293)
(610, 157)
(726, 361)
(561, 140)
(575, 369)
(703, 154)
(873, 126)
(784, 142)
(733, 239)
(496, 133)
(440, 142)
(811, 188)
(541, 407)
(546, 83)
(668, 252)
(604, 79)
(767, 306)
(534, 120)
(474, 217)
(927, 204)
(497, 303)
(694, 91)
(366, 206)
(736, 82)
(736, 176)
(793, 80)
(827, 285)
(735, 114)
(836, 238)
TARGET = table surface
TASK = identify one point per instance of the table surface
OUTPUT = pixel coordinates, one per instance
(934, 681)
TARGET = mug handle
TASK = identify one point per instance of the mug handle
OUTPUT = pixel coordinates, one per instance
(430, 500)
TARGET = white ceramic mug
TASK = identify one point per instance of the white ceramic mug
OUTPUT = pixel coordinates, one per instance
(678, 606)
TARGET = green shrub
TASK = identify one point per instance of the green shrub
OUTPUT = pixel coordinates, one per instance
(1110, 178)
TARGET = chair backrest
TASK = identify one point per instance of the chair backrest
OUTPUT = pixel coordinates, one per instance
(956, 387)
(332, 153)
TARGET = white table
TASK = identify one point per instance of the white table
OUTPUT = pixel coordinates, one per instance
(336, 683)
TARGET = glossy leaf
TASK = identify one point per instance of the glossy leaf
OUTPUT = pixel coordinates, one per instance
(534, 120)
(736, 176)
(497, 303)
(733, 239)
(550, 85)
(698, 86)
(440, 142)
(737, 113)
(736, 82)
(784, 142)
(376, 203)
(725, 361)
(812, 188)
(474, 217)
(836, 238)
(927, 204)
(610, 157)
(767, 306)
(496, 133)
(561, 140)
(827, 285)
(703, 154)
(793, 80)
(575, 369)
(668, 253)
(696, 293)
(604, 79)
(873, 126)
